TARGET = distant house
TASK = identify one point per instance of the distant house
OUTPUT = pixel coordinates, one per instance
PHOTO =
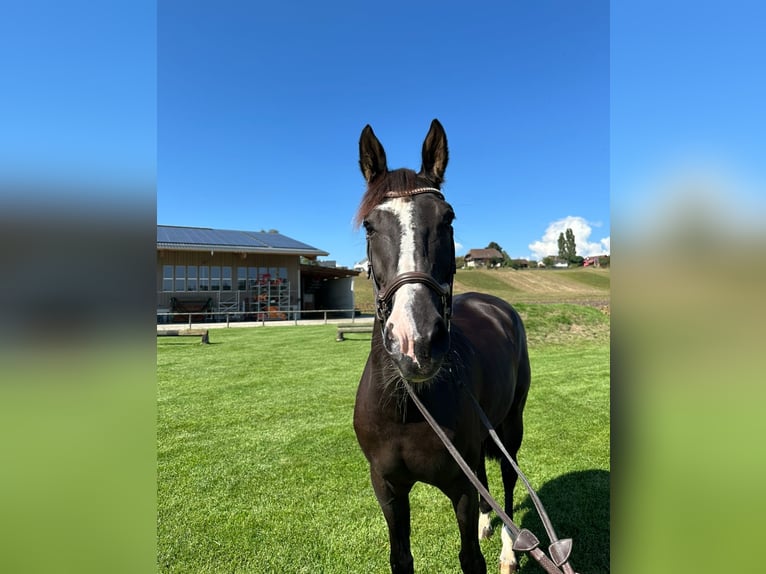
(553, 263)
(593, 261)
(482, 257)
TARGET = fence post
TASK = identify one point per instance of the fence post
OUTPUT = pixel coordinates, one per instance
(190, 320)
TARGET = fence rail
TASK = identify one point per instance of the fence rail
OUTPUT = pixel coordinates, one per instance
(296, 317)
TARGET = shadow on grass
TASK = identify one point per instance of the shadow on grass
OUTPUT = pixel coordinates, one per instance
(578, 506)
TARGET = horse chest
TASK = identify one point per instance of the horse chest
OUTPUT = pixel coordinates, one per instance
(413, 458)
(410, 451)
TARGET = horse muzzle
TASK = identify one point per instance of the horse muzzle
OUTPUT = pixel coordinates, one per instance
(416, 338)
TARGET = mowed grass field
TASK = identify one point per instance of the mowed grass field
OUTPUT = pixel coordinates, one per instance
(259, 469)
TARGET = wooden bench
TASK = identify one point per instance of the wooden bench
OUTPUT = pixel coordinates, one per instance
(185, 333)
(352, 328)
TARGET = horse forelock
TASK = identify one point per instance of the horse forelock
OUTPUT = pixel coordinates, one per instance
(397, 180)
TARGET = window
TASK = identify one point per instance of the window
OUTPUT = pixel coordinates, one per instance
(215, 278)
(191, 278)
(167, 277)
(204, 278)
(252, 277)
(241, 278)
(180, 283)
(227, 278)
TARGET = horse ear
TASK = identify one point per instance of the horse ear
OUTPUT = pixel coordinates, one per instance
(435, 153)
(372, 157)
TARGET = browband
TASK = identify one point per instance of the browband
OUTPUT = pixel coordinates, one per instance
(411, 192)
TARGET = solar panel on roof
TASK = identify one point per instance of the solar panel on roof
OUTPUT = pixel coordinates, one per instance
(279, 241)
(227, 238)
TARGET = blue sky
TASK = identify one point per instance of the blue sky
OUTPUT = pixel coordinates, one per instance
(687, 115)
(260, 107)
(245, 115)
(79, 94)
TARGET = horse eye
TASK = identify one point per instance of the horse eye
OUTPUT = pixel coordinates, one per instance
(368, 227)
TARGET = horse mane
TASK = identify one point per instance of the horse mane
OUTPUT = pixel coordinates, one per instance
(402, 179)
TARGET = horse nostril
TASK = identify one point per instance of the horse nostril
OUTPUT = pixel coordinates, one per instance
(436, 342)
(442, 338)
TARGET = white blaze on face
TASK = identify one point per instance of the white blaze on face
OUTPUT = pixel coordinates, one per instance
(402, 315)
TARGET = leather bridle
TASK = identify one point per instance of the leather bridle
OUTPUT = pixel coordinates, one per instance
(385, 296)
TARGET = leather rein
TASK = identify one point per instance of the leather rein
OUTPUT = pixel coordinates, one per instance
(523, 539)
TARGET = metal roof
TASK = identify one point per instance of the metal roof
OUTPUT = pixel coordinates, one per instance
(207, 239)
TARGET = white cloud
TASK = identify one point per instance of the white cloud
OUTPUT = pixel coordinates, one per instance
(458, 247)
(549, 243)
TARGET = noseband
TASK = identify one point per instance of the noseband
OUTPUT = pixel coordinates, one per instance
(384, 297)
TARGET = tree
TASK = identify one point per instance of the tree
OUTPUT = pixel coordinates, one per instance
(493, 245)
(571, 248)
(501, 260)
(567, 246)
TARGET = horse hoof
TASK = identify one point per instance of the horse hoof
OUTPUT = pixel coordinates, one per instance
(507, 567)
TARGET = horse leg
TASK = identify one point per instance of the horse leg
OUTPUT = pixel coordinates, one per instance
(485, 510)
(512, 433)
(512, 441)
(466, 504)
(395, 504)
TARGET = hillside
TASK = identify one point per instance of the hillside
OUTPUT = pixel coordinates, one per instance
(579, 286)
(582, 286)
(558, 306)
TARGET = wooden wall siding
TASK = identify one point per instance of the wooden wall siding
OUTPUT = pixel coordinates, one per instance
(233, 260)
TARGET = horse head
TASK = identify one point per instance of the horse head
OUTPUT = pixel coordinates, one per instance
(411, 253)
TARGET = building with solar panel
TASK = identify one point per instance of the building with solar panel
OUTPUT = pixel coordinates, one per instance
(206, 274)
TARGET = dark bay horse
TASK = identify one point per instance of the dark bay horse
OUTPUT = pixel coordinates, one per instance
(439, 345)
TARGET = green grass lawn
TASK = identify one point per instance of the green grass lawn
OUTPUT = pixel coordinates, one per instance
(259, 469)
